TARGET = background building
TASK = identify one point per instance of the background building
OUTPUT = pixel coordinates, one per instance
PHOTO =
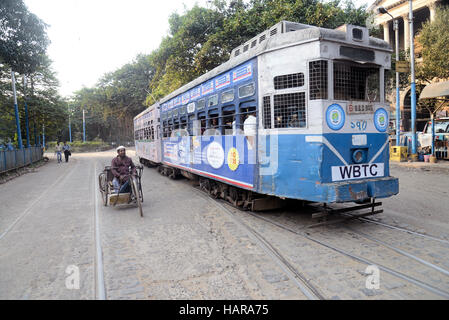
(423, 10)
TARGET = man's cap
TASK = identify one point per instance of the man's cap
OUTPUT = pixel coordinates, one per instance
(121, 147)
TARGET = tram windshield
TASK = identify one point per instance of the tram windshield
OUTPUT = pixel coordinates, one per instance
(356, 82)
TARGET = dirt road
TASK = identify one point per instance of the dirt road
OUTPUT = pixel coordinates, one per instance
(54, 228)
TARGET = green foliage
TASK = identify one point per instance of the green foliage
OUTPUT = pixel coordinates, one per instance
(198, 41)
(23, 44)
(202, 39)
(23, 40)
(45, 106)
(80, 146)
(434, 39)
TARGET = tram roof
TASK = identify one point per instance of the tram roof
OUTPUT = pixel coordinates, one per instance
(290, 33)
(146, 110)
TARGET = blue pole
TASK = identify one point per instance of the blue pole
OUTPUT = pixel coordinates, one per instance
(70, 126)
(16, 110)
(398, 103)
(433, 134)
(43, 135)
(413, 85)
(26, 113)
(35, 134)
(84, 128)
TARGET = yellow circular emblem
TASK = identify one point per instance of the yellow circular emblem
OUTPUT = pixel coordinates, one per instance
(233, 159)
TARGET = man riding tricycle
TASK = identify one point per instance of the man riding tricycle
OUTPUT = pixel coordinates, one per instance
(120, 183)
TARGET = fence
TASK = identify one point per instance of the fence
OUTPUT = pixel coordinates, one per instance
(14, 159)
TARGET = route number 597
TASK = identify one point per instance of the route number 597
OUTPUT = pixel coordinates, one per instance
(359, 125)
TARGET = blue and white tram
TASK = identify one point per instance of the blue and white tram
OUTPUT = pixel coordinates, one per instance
(297, 112)
(147, 136)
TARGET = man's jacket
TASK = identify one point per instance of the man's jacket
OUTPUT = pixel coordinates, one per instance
(119, 167)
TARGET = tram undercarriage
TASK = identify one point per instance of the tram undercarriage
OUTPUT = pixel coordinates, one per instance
(247, 200)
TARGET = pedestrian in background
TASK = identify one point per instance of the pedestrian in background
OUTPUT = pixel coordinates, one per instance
(67, 153)
(58, 151)
(9, 145)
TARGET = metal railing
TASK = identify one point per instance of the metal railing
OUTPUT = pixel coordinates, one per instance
(14, 159)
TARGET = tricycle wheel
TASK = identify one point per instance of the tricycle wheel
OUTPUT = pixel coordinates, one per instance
(136, 195)
(103, 185)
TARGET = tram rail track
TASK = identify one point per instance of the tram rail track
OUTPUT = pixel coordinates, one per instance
(59, 180)
(391, 271)
(304, 285)
(402, 252)
(368, 220)
(99, 268)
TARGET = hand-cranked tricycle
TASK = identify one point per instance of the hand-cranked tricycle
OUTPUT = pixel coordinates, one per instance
(111, 197)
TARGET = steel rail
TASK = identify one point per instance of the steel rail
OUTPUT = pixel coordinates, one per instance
(402, 252)
(403, 230)
(400, 275)
(301, 282)
(99, 275)
(28, 209)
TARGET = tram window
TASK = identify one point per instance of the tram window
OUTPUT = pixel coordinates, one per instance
(202, 122)
(183, 110)
(183, 123)
(253, 44)
(213, 119)
(227, 96)
(212, 101)
(170, 128)
(164, 129)
(247, 90)
(267, 112)
(318, 79)
(201, 104)
(247, 126)
(356, 83)
(237, 52)
(262, 38)
(245, 48)
(227, 122)
(290, 110)
(175, 113)
(286, 81)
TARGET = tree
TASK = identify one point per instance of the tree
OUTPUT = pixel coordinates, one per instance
(434, 40)
(198, 41)
(23, 39)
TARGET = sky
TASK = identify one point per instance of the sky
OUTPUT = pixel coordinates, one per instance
(92, 37)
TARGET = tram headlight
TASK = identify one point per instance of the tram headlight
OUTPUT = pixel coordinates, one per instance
(358, 156)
